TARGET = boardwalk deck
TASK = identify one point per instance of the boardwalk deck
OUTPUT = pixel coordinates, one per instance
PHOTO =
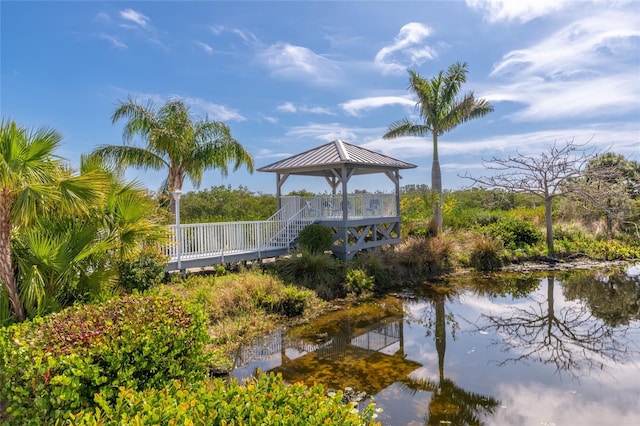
(371, 220)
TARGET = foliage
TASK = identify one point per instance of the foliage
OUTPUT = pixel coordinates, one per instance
(375, 265)
(515, 233)
(320, 272)
(315, 238)
(56, 364)
(265, 400)
(486, 253)
(290, 301)
(357, 282)
(36, 184)
(222, 203)
(142, 272)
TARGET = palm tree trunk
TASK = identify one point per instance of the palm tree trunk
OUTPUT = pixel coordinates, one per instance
(436, 185)
(7, 276)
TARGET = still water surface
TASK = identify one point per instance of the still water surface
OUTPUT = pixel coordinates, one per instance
(552, 349)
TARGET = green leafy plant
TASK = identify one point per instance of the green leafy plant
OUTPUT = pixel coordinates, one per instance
(357, 282)
(516, 233)
(265, 400)
(142, 272)
(315, 239)
(56, 364)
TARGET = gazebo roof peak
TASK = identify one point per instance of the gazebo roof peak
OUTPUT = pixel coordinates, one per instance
(333, 154)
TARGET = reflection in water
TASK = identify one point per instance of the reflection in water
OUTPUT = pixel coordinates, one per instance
(569, 337)
(361, 348)
(449, 403)
(425, 363)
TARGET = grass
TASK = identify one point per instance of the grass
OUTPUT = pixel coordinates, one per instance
(243, 306)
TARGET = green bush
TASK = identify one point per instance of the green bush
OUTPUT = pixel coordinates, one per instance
(516, 233)
(266, 400)
(320, 272)
(56, 364)
(143, 272)
(316, 238)
(485, 253)
(357, 282)
(290, 301)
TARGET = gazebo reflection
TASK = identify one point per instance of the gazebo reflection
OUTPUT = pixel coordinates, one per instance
(363, 350)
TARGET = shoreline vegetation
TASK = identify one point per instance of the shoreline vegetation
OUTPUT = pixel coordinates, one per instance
(111, 362)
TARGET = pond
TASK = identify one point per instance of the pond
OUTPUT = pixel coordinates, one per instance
(562, 348)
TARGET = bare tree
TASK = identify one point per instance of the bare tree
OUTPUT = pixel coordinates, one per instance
(545, 176)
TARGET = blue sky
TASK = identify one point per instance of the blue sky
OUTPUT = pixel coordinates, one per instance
(289, 76)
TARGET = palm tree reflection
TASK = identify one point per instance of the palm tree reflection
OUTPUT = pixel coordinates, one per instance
(449, 403)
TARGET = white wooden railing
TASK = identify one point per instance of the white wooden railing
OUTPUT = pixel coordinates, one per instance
(204, 240)
(201, 240)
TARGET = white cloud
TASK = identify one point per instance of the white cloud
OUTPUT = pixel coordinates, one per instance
(136, 17)
(520, 10)
(212, 110)
(331, 131)
(621, 138)
(247, 36)
(299, 63)
(199, 106)
(114, 40)
(287, 107)
(578, 49)
(586, 69)
(204, 46)
(354, 106)
(290, 107)
(408, 49)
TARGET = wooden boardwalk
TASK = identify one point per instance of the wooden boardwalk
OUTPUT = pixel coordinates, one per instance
(370, 221)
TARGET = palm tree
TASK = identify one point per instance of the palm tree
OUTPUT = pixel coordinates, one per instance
(175, 142)
(441, 110)
(35, 182)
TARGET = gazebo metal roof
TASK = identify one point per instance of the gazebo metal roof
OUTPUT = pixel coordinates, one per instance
(317, 161)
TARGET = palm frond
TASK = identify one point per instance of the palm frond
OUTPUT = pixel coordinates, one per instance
(129, 156)
(141, 119)
(405, 127)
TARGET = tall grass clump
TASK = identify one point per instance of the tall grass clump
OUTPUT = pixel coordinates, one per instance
(422, 258)
(485, 253)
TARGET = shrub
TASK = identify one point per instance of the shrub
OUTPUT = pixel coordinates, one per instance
(56, 364)
(264, 400)
(322, 273)
(424, 257)
(290, 301)
(143, 272)
(315, 239)
(357, 282)
(485, 253)
(516, 233)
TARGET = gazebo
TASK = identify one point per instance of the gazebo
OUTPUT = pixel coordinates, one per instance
(359, 221)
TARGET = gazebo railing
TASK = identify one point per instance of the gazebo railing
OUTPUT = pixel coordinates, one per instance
(358, 205)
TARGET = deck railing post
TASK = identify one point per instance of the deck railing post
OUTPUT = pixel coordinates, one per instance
(177, 193)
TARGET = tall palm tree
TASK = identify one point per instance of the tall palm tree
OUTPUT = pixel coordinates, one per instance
(185, 147)
(442, 110)
(34, 182)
